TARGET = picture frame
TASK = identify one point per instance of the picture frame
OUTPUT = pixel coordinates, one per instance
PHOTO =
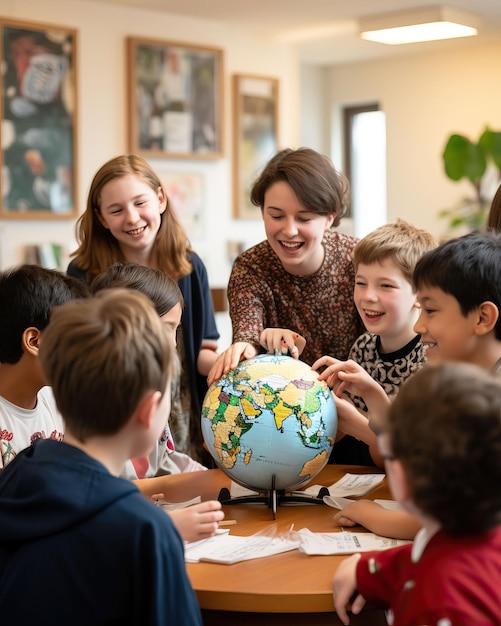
(255, 136)
(186, 193)
(39, 120)
(175, 96)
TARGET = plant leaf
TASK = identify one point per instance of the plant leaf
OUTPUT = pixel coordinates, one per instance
(491, 142)
(464, 159)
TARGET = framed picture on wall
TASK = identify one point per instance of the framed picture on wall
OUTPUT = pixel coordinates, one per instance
(175, 99)
(255, 136)
(185, 191)
(38, 113)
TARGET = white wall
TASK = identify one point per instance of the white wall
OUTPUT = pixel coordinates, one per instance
(102, 30)
(426, 97)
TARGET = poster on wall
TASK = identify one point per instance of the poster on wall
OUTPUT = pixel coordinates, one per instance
(255, 139)
(175, 99)
(38, 112)
(185, 191)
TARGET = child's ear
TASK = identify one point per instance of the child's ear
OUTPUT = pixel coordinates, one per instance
(488, 315)
(30, 341)
(162, 199)
(417, 304)
(147, 407)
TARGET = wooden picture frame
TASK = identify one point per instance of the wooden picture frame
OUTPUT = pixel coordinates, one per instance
(175, 97)
(255, 136)
(38, 113)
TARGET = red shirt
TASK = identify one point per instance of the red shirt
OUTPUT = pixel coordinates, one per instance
(456, 581)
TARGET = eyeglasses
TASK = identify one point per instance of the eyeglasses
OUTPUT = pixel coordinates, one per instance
(382, 439)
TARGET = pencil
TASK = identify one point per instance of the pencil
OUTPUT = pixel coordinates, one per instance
(227, 522)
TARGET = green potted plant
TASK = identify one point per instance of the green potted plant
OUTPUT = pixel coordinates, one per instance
(464, 158)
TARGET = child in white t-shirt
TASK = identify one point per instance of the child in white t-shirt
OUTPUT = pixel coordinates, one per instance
(28, 294)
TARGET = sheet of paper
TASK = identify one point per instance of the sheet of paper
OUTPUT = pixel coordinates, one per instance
(229, 549)
(237, 491)
(355, 485)
(389, 504)
(170, 506)
(342, 503)
(343, 542)
(337, 503)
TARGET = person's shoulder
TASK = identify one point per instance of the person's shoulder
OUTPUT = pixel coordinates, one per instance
(339, 239)
(75, 271)
(142, 513)
(259, 255)
(195, 259)
(46, 395)
(364, 339)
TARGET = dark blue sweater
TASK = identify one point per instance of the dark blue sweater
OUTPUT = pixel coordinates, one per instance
(79, 546)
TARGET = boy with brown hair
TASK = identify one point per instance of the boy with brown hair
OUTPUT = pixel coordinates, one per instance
(390, 350)
(112, 556)
(460, 297)
(441, 443)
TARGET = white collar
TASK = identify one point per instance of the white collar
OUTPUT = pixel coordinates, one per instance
(422, 539)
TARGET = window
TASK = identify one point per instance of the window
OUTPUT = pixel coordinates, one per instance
(365, 166)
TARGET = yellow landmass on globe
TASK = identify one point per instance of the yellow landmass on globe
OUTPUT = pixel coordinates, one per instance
(314, 465)
(212, 400)
(247, 457)
(292, 369)
(222, 436)
(281, 413)
(293, 395)
(249, 409)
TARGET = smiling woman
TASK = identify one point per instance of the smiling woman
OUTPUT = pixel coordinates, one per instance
(300, 280)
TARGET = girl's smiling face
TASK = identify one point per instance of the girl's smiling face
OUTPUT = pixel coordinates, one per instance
(294, 232)
(131, 210)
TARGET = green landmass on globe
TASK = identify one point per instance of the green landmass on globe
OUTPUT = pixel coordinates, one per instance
(270, 419)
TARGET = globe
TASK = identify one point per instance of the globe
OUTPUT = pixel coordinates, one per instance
(270, 423)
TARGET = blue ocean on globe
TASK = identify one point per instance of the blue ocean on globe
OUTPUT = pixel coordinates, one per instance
(270, 423)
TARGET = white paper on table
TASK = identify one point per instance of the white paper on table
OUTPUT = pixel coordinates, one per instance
(337, 503)
(237, 491)
(350, 485)
(343, 542)
(342, 503)
(170, 506)
(229, 549)
(389, 504)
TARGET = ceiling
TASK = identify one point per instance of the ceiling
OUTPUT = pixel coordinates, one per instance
(324, 31)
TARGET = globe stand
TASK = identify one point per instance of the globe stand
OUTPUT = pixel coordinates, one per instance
(273, 498)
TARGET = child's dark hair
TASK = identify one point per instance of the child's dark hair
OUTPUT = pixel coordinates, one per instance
(160, 289)
(468, 268)
(28, 294)
(445, 428)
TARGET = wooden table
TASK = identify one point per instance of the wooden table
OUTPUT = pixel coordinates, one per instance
(288, 588)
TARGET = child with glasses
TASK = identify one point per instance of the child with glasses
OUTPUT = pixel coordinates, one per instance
(441, 442)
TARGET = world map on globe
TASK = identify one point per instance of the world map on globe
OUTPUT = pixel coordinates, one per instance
(270, 423)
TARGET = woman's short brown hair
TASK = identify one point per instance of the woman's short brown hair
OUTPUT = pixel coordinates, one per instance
(317, 184)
